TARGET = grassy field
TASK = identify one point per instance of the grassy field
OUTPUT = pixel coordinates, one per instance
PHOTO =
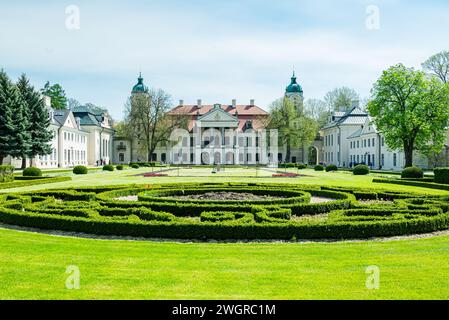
(33, 266)
(228, 175)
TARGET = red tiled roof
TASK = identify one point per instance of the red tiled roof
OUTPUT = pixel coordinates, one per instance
(241, 110)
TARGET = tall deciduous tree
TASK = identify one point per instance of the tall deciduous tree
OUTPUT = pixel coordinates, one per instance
(340, 99)
(317, 110)
(57, 95)
(38, 121)
(438, 65)
(411, 110)
(147, 119)
(14, 136)
(295, 129)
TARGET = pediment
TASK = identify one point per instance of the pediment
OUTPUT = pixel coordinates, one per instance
(218, 115)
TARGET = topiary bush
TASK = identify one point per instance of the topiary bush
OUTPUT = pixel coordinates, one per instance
(6, 173)
(441, 175)
(412, 172)
(108, 167)
(301, 166)
(134, 166)
(331, 167)
(119, 167)
(32, 172)
(361, 170)
(319, 167)
(80, 170)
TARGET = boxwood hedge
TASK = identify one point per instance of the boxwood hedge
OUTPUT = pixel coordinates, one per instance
(119, 210)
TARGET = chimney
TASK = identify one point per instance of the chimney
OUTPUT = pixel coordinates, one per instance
(181, 102)
(47, 101)
(198, 103)
(78, 122)
(252, 102)
(234, 103)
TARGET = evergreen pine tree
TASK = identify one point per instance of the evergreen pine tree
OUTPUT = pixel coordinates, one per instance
(14, 136)
(20, 118)
(38, 120)
(7, 129)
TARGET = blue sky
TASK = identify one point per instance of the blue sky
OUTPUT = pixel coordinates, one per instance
(215, 50)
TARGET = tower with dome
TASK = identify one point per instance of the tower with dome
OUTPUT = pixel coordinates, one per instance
(295, 94)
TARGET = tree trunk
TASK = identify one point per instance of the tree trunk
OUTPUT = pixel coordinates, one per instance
(1, 159)
(408, 152)
(24, 163)
(31, 162)
(288, 152)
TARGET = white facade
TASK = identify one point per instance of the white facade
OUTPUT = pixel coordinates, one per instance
(350, 138)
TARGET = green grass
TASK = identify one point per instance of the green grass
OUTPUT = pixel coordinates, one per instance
(182, 175)
(33, 267)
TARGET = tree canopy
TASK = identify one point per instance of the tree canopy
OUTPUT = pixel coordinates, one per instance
(57, 95)
(341, 99)
(411, 110)
(295, 129)
(438, 65)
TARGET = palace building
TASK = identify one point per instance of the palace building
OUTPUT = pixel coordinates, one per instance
(221, 133)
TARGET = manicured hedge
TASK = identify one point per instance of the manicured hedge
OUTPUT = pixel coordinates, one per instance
(361, 170)
(412, 172)
(80, 170)
(18, 184)
(119, 167)
(96, 210)
(6, 173)
(441, 175)
(414, 183)
(108, 167)
(319, 167)
(32, 172)
(331, 167)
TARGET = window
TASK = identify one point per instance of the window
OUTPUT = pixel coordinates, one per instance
(383, 141)
(382, 160)
(358, 145)
(369, 143)
(373, 144)
(394, 160)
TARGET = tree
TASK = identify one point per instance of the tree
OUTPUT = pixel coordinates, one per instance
(411, 110)
(318, 111)
(38, 121)
(341, 99)
(147, 119)
(14, 136)
(57, 95)
(295, 130)
(73, 103)
(438, 65)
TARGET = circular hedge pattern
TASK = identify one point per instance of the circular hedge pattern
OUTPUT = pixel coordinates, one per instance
(347, 213)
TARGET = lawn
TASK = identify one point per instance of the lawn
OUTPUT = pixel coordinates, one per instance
(33, 266)
(182, 175)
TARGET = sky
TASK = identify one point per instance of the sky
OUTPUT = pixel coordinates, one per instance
(215, 50)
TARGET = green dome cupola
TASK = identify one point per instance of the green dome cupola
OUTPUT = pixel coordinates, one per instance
(294, 87)
(139, 87)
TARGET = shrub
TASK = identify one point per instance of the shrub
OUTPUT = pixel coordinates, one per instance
(319, 167)
(32, 172)
(119, 167)
(441, 175)
(80, 170)
(6, 173)
(108, 167)
(361, 170)
(331, 167)
(134, 166)
(301, 166)
(412, 172)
